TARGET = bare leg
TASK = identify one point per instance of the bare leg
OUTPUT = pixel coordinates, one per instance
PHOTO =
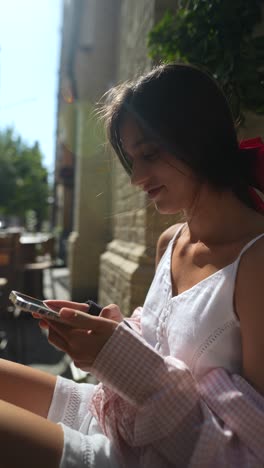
(27, 439)
(28, 388)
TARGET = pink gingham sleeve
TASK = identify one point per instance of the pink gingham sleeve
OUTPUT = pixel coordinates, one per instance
(154, 412)
(134, 321)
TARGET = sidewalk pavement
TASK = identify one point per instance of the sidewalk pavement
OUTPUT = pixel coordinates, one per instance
(60, 278)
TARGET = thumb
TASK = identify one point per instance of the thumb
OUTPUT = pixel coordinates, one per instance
(112, 312)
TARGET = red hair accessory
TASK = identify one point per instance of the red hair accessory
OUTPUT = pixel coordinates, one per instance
(254, 148)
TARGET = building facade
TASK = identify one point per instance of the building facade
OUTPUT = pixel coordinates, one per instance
(127, 265)
(83, 173)
(111, 248)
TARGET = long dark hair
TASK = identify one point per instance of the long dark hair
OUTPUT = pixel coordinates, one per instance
(184, 109)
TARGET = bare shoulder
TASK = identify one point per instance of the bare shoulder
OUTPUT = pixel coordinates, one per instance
(251, 268)
(164, 240)
(249, 300)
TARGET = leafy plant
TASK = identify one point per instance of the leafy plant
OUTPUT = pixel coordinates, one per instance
(220, 36)
(23, 179)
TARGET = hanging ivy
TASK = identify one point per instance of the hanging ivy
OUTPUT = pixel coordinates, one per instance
(221, 36)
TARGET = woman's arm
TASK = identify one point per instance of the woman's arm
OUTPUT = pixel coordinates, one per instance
(249, 304)
(162, 410)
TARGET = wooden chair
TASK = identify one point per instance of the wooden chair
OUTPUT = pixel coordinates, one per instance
(33, 270)
(9, 268)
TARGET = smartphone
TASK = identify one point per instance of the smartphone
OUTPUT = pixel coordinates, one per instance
(30, 304)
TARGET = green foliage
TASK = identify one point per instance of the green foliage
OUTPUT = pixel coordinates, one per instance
(23, 179)
(219, 35)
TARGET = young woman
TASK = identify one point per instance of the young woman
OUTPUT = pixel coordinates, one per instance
(182, 379)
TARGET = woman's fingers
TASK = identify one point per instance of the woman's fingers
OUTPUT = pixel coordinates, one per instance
(75, 342)
(79, 334)
(57, 305)
(36, 315)
(43, 324)
(58, 340)
(112, 312)
(82, 336)
(78, 319)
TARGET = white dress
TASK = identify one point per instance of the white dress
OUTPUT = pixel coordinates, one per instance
(198, 327)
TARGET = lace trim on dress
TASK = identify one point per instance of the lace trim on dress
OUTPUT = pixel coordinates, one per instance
(73, 406)
(211, 340)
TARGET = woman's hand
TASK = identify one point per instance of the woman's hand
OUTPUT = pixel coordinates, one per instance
(57, 305)
(111, 311)
(81, 335)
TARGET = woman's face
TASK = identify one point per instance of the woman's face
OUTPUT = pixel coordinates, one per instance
(168, 182)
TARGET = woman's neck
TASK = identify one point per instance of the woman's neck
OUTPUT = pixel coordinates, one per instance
(219, 218)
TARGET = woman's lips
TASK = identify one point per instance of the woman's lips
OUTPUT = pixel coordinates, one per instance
(154, 192)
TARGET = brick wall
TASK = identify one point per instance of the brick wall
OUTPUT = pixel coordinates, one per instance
(127, 265)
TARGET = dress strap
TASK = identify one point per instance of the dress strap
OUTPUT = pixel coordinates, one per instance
(173, 239)
(245, 248)
(177, 233)
(249, 244)
(168, 252)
